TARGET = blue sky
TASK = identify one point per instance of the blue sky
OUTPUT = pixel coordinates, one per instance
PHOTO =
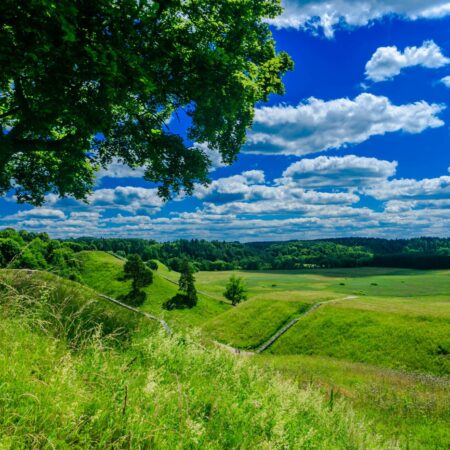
(358, 146)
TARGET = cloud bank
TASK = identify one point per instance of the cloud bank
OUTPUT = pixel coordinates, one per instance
(317, 125)
(328, 15)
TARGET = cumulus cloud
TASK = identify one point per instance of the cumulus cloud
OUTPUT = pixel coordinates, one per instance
(344, 171)
(228, 189)
(428, 188)
(317, 125)
(328, 15)
(388, 62)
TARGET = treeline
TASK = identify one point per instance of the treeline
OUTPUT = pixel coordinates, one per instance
(24, 250)
(420, 253)
(37, 251)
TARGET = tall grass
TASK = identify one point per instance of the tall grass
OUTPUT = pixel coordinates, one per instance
(61, 386)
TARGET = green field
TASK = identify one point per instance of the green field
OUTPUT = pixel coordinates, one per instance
(78, 372)
(382, 342)
(378, 343)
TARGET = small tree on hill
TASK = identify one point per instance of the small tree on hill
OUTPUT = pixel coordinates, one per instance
(136, 270)
(187, 283)
(235, 290)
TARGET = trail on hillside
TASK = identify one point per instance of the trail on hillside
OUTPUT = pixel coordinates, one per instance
(289, 325)
(162, 322)
(172, 281)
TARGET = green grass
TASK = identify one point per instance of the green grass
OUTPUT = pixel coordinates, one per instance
(407, 342)
(412, 409)
(145, 391)
(362, 281)
(384, 352)
(104, 273)
(251, 323)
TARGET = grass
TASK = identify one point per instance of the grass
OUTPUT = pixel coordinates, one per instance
(104, 273)
(360, 281)
(385, 352)
(145, 391)
(406, 342)
(251, 323)
(412, 409)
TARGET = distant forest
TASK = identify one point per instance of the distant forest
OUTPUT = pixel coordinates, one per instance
(419, 253)
(38, 251)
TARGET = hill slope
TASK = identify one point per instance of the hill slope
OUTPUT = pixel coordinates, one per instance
(104, 389)
(104, 273)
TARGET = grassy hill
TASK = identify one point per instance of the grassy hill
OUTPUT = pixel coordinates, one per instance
(382, 346)
(78, 372)
(104, 273)
(379, 342)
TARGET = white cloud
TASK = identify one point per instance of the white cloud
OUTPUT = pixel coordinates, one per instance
(446, 81)
(434, 188)
(127, 198)
(345, 171)
(328, 15)
(119, 170)
(317, 125)
(388, 62)
(236, 187)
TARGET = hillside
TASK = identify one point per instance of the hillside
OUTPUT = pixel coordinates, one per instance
(72, 379)
(104, 273)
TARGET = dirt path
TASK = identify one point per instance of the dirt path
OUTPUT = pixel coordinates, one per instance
(283, 330)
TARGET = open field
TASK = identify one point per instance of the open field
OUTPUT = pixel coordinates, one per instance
(412, 409)
(383, 346)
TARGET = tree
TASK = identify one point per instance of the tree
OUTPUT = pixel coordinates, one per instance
(82, 83)
(187, 283)
(235, 290)
(136, 270)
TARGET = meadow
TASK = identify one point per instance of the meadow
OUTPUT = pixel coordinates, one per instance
(78, 372)
(370, 343)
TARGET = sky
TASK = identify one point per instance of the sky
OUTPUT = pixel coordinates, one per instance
(358, 146)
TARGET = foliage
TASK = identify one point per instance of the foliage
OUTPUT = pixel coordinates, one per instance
(136, 270)
(178, 301)
(152, 264)
(187, 284)
(104, 273)
(421, 253)
(235, 290)
(37, 251)
(103, 79)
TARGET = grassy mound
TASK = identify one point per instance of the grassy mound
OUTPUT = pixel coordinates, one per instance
(400, 341)
(95, 389)
(251, 323)
(104, 273)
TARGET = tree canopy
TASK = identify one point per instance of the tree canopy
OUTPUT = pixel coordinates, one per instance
(235, 290)
(84, 82)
